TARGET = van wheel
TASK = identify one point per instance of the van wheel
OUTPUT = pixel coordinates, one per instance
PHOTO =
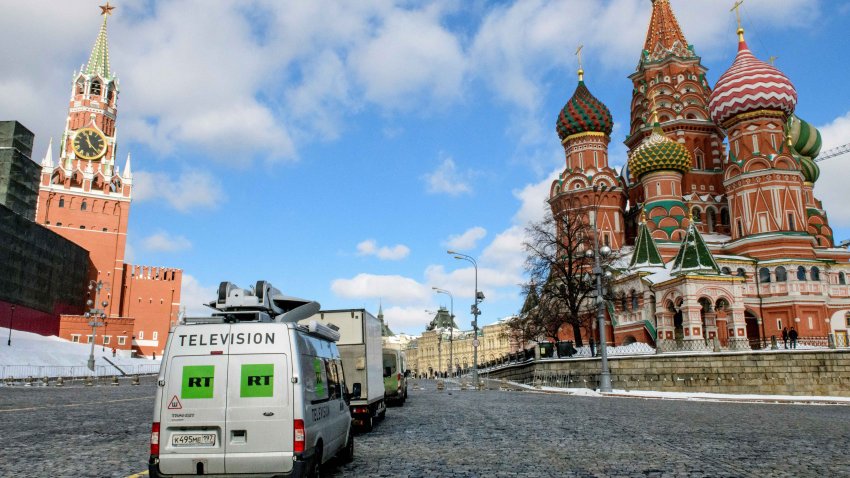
(316, 466)
(367, 424)
(347, 453)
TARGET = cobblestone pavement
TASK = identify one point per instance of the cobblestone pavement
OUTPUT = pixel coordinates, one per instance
(103, 432)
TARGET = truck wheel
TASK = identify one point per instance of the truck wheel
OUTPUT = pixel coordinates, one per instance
(347, 453)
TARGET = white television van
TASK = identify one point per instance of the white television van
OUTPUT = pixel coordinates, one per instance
(248, 391)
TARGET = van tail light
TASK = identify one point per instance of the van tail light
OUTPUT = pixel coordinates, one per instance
(299, 437)
(399, 380)
(155, 439)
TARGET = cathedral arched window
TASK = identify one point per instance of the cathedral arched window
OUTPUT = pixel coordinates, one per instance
(83, 206)
(724, 217)
(94, 90)
(712, 219)
(781, 274)
(700, 160)
(61, 202)
(764, 275)
(815, 273)
(634, 300)
(842, 278)
(741, 272)
(801, 273)
(726, 271)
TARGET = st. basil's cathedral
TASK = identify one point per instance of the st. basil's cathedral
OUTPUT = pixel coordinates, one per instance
(722, 240)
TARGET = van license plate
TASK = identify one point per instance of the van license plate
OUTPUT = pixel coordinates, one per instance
(193, 439)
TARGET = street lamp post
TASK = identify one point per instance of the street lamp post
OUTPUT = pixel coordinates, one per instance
(94, 314)
(451, 326)
(475, 313)
(11, 318)
(598, 253)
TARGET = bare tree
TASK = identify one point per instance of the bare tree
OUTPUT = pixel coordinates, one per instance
(559, 271)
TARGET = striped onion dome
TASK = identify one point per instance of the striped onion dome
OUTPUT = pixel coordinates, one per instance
(809, 168)
(749, 85)
(657, 153)
(805, 138)
(583, 113)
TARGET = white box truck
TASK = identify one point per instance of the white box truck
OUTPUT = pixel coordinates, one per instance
(360, 348)
(249, 391)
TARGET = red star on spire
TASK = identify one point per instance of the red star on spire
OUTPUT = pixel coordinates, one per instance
(106, 9)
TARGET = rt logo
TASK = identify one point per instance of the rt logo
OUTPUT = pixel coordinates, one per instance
(259, 380)
(200, 381)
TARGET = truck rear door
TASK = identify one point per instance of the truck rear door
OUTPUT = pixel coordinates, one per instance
(194, 404)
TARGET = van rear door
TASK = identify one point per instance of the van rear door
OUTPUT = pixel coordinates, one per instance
(259, 429)
(192, 420)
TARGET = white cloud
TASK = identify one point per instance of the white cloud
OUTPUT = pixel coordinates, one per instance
(193, 295)
(370, 248)
(831, 187)
(411, 53)
(468, 240)
(447, 180)
(164, 242)
(390, 288)
(412, 318)
(190, 190)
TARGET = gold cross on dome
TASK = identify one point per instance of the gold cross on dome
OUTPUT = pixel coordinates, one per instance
(106, 9)
(737, 8)
(772, 60)
(580, 70)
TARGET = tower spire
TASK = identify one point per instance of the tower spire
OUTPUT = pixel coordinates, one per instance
(48, 157)
(99, 58)
(663, 29)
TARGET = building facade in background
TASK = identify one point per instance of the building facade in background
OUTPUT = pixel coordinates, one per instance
(442, 348)
(85, 197)
(715, 214)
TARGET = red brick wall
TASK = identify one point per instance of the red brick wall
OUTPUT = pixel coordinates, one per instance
(152, 297)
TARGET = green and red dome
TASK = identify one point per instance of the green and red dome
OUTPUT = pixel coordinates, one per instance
(583, 113)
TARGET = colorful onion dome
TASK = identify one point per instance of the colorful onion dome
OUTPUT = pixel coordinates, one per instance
(749, 85)
(657, 153)
(809, 168)
(583, 113)
(805, 138)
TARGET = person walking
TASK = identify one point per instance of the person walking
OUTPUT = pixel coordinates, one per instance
(785, 336)
(793, 336)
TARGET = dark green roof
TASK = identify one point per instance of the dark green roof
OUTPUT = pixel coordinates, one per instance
(442, 320)
(646, 252)
(694, 255)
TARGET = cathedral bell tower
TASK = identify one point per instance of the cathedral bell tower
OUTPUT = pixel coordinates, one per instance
(82, 195)
(588, 183)
(752, 101)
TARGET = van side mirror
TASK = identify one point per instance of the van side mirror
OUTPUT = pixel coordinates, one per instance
(406, 373)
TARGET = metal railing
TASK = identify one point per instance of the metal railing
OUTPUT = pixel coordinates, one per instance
(55, 371)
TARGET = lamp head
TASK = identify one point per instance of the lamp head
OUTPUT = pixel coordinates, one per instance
(451, 252)
(588, 253)
(605, 251)
(89, 302)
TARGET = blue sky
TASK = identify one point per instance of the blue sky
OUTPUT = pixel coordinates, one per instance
(338, 149)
